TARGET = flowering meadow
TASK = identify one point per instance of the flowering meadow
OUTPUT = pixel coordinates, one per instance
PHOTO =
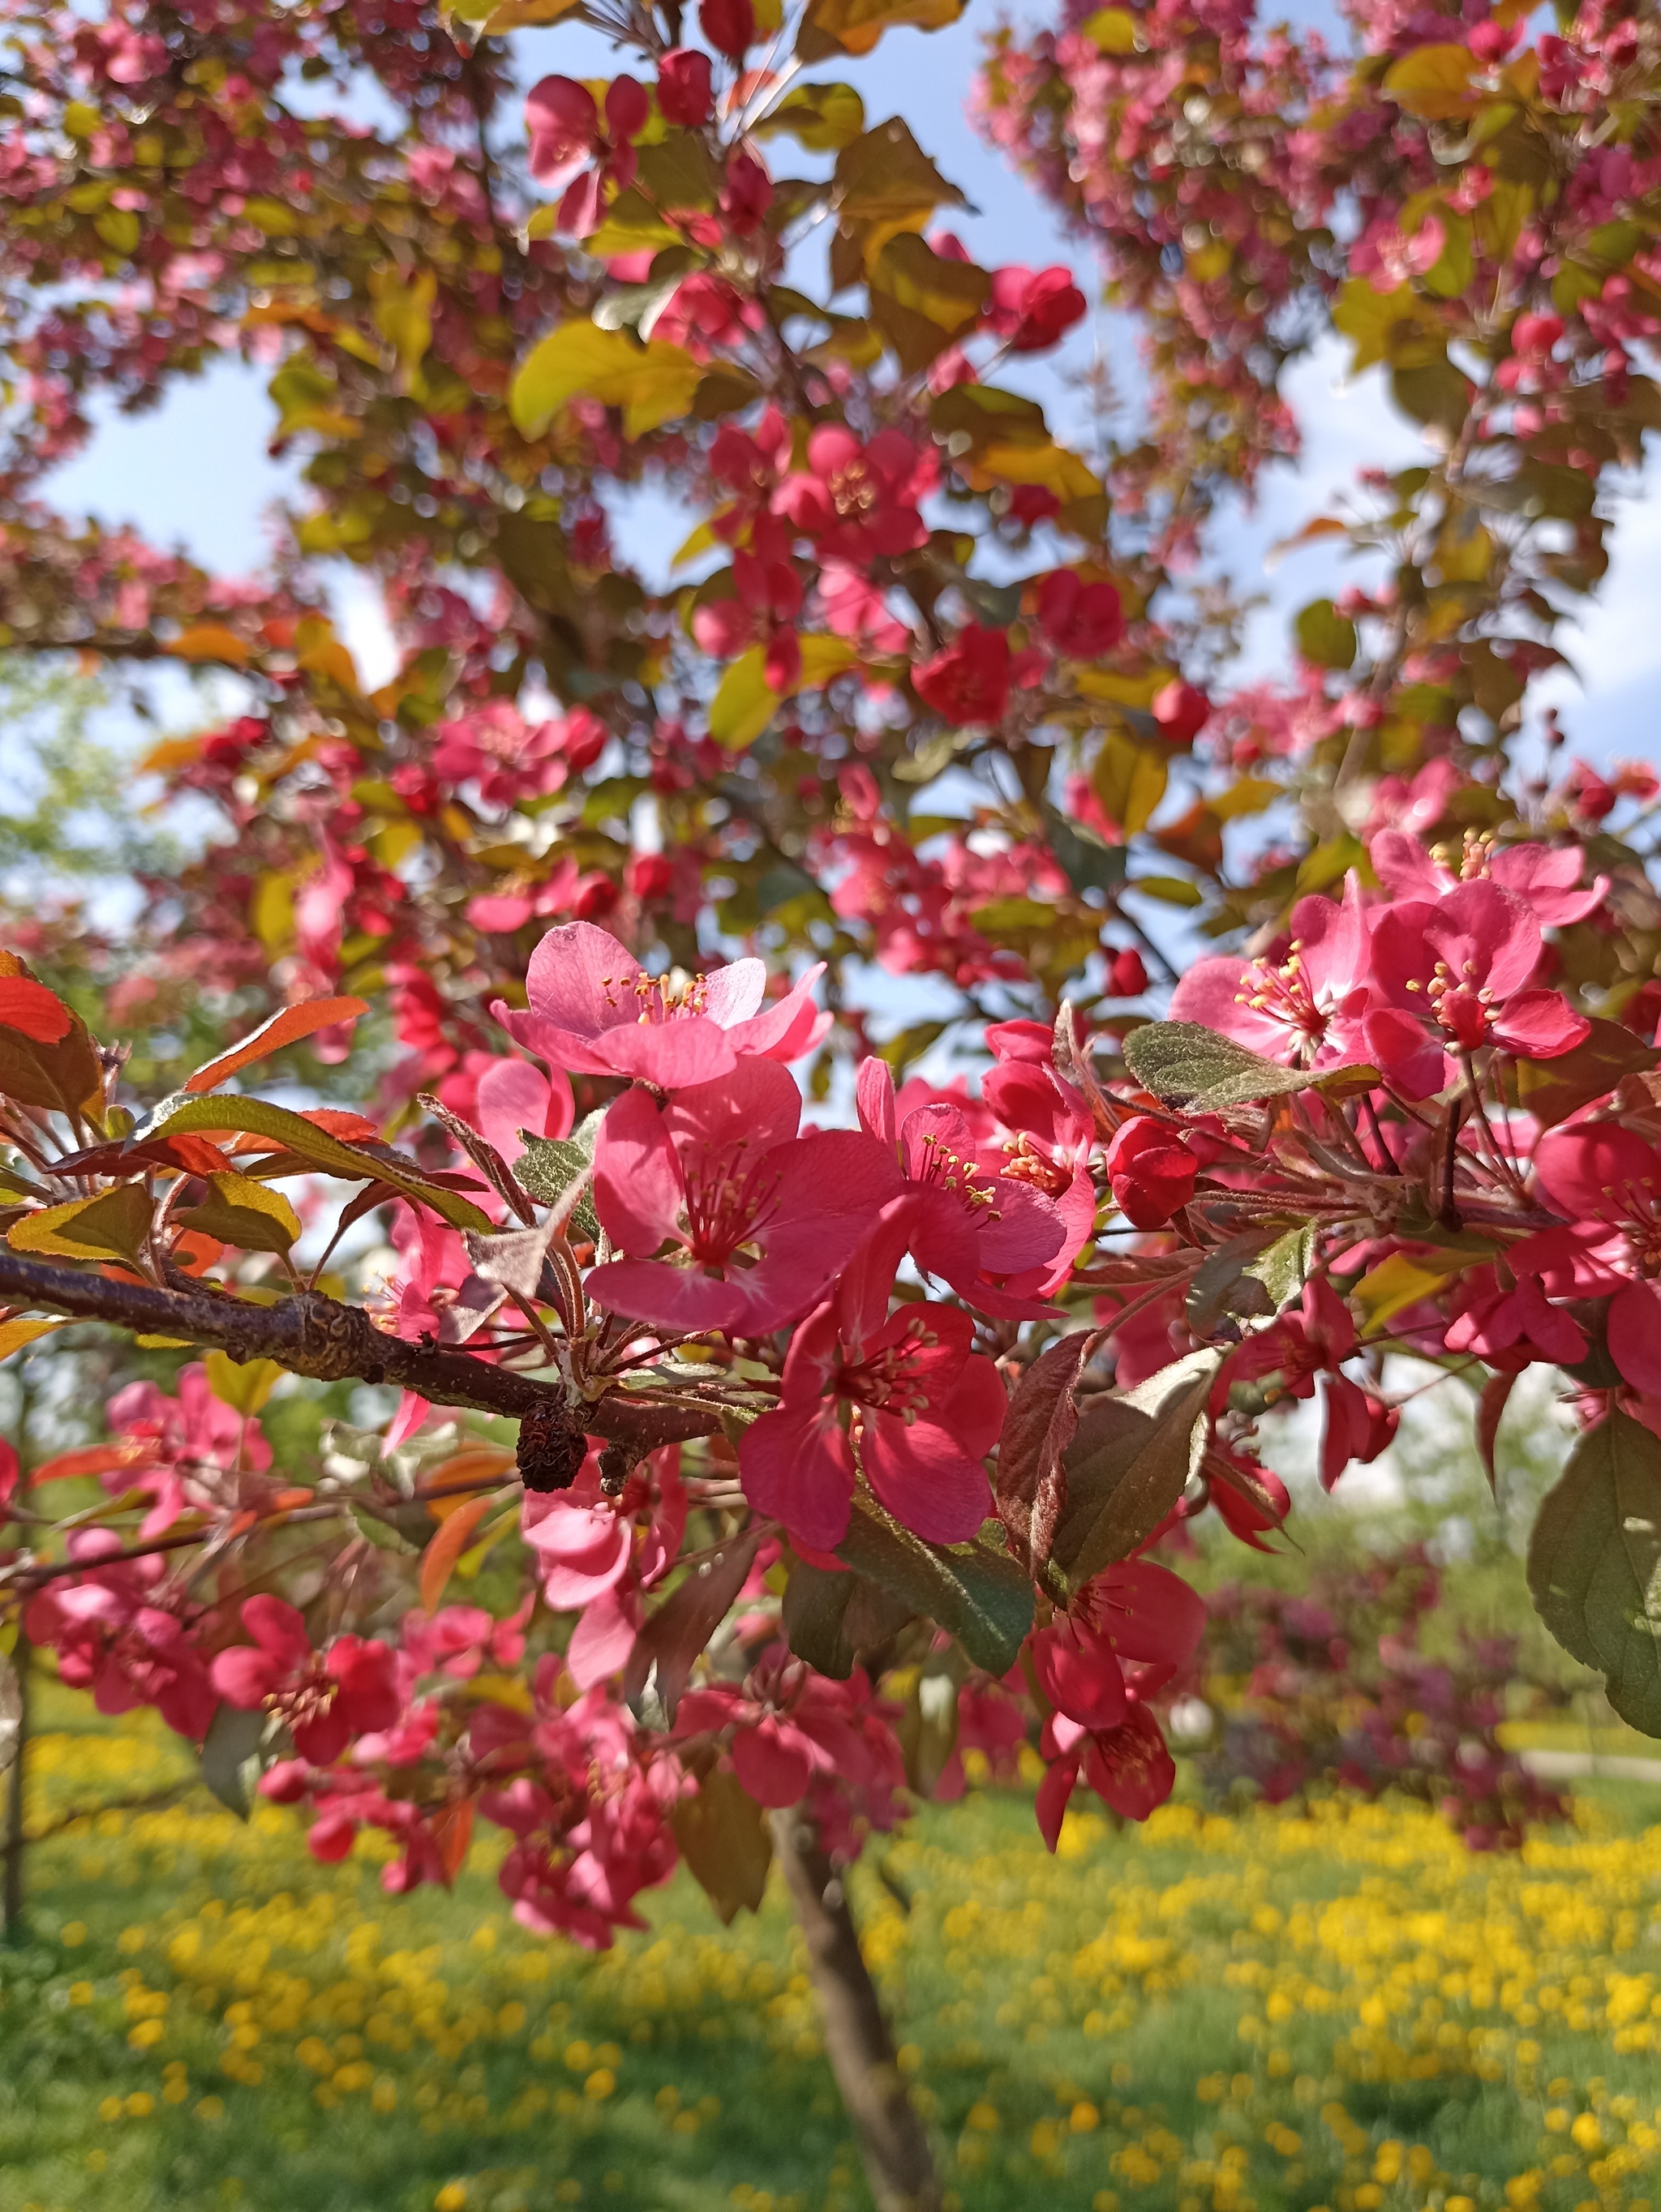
(1206, 2013)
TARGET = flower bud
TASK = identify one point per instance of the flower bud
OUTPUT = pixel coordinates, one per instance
(729, 26)
(683, 86)
(1151, 1171)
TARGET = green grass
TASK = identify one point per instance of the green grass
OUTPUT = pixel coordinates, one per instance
(1199, 2016)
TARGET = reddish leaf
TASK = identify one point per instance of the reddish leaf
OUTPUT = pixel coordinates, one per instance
(1490, 1411)
(686, 1619)
(30, 1008)
(93, 1459)
(1031, 1482)
(439, 1560)
(452, 1828)
(284, 1029)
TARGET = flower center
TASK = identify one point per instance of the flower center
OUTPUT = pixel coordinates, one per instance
(1284, 994)
(1029, 1163)
(659, 998)
(728, 1199)
(949, 1171)
(889, 1381)
(1462, 1008)
(852, 491)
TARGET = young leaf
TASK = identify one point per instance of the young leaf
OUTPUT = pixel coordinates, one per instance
(1185, 1061)
(829, 1619)
(651, 383)
(286, 1028)
(438, 1561)
(243, 1385)
(726, 1843)
(230, 1756)
(1127, 1465)
(33, 1011)
(242, 1212)
(1594, 1564)
(1552, 1089)
(975, 1592)
(317, 1148)
(113, 1221)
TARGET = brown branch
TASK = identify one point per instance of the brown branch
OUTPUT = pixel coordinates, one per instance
(316, 1336)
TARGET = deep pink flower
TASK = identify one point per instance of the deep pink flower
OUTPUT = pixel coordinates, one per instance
(1031, 308)
(585, 1546)
(1128, 1767)
(110, 1639)
(683, 86)
(1083, 620)
(1546, 878)
(1461, 966)
(857, 503)
(968, 681)
(1044, 1137)
(197, 1450)
(983, 1233)
(1606, 1179)
(323, 1699)
(1181, 711)
(765, 1218)
(567, 132)
(1302, 1002)
(908, 1403)
(594, 1011)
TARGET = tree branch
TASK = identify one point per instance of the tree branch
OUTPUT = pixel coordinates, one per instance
(314, 1335)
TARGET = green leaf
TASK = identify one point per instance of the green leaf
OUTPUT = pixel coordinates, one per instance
(823, 117)
(1127, 1465)
(1325, 636)
(744, 702)
(830, 1619)
(549, 1165)
(1130, 779)
(885, 177)
(652, 383)
(1551, 1089)
(243, 1385)
(243, 1214)
(116, 1221)
(1086, 862)
(975, 1591)
(1183, 1060)
(726, 1843)
(1594, 1564)
(1170, 890)
(1252, 1276)
(1433, 83)
(230, 1756)
(389, 1536)
(329, 1155)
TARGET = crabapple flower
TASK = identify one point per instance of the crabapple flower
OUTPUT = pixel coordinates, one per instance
(684, 88)
(323, 1699)
(1301, 1003)
(968, 680)
(988, 1234)
(1082, 620)
(1461, 966)
(1606, 1179)
(720, 1172)
(594, 1011)
(1547, 877)
(1128, 1767)
(568, 132)
(857, 503)
(909, 1405)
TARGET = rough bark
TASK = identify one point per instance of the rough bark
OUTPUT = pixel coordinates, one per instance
(893, 2144)
(311, 1334)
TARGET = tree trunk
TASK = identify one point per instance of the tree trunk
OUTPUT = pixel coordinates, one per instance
(16, 1843)
(899, 2163)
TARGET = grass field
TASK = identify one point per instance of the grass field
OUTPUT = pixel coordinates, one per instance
(1203, 2015)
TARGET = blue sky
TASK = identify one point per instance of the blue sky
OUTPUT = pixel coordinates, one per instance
(195, 472)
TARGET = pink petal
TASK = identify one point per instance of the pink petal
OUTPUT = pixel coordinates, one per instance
(925, 1479)
(277, 1629)
(1634, 1335)
(798, 1466)
(244, 1677)
(772, 1764)
(1540, 1025)
(515, 1096)
(686, 1049)
(668, 1297)
(638, 1193)
(732, 994)
(580, 979)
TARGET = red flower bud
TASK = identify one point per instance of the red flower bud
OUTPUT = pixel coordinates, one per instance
(683, 86)
(1181, 712)
(729, 26)
(1151, 1171)
(1126, 978)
